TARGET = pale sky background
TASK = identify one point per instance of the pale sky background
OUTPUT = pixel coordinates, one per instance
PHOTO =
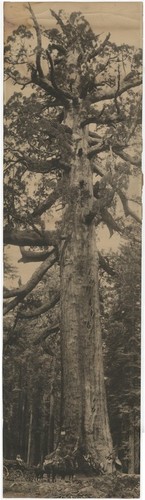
(122, 19)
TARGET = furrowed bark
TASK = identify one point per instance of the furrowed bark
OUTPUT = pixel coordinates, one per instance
(85, 417)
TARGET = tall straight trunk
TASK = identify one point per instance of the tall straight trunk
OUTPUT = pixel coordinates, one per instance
(29, 436)
(22, 423)
(131, 443)
(51, 414)
(136, 450)
(134, 446)
(85, 417)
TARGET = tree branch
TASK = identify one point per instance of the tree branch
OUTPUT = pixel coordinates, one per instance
(11, 305)
(127, 210)
(63, 93)
(106, 120)
(111, 94)
(118, 149)
(23, 237)
(31, 256)
(46, 333)
(34, 280)
(39, 43)
(97, 170)
(106, 216)
(39, 79)
(125, 156)
(110, 222)
(41, 310)
(92, 213)
(137, 119)
(99, 149)
(44, 84)
(34, 165)
(19, 80)
(99, 49)
(104, 264)
(50, 200)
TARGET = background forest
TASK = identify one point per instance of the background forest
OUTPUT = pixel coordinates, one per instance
(32, 367)
(72, 179)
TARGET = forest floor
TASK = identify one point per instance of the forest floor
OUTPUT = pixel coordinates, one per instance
(106, 486)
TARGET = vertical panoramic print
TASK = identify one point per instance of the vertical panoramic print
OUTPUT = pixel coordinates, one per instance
(72, 249)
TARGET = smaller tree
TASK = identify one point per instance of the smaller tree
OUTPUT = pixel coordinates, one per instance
(121, 323)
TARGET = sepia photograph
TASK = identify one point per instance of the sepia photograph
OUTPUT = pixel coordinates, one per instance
(72, 178)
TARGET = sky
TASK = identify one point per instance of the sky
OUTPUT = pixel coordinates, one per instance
(122, 19)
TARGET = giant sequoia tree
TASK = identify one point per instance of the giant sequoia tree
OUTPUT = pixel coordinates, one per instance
(55, 158)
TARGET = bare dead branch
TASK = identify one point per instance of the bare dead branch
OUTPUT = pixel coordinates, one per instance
(39, 42)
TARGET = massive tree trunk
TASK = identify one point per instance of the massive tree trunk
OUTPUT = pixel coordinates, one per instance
(85, 417)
